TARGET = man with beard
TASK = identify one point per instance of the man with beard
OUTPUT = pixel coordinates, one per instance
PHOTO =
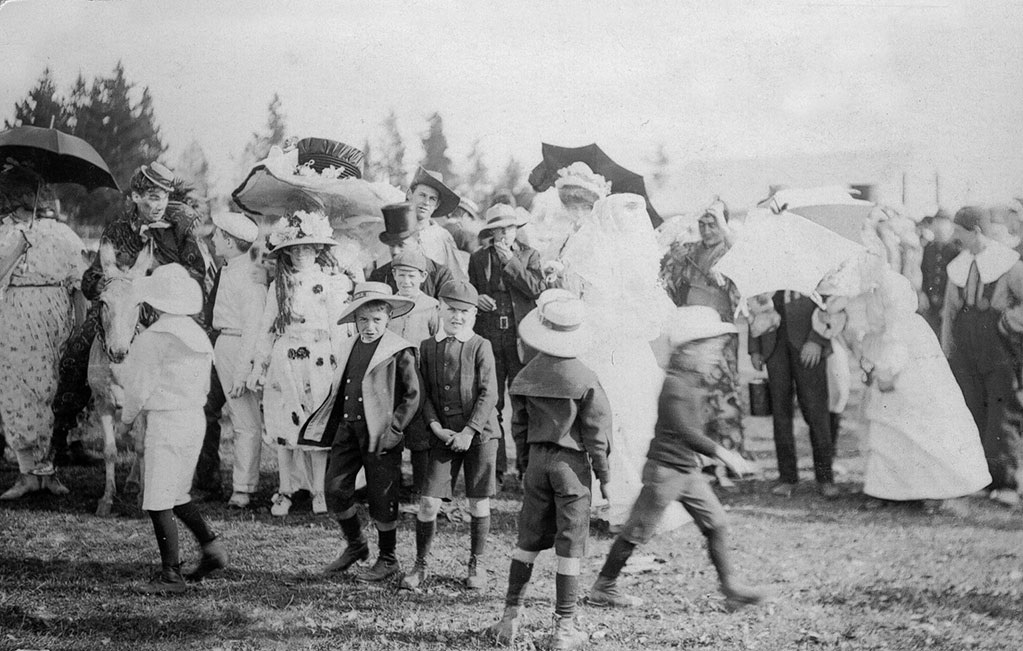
(147, 221)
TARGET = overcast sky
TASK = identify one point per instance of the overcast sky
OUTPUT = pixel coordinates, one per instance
(943, 80)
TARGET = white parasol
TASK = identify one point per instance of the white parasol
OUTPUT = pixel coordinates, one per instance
(783, 251)
(832, 207)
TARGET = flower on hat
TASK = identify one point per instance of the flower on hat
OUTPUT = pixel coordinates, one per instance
(579, 174)
(299, 226)
(307, 169)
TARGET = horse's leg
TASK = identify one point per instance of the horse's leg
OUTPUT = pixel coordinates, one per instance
(138, 462)
(106, 419)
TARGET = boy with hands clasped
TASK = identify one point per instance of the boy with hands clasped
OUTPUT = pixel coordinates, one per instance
(459, 400)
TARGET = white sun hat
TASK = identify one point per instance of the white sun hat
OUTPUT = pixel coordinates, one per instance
(170, 289)
(237, 225)
(558, 325)
(692, 322)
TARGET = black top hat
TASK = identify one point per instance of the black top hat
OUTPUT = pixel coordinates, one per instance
(448, 199)
(399, 223)
(323, 153)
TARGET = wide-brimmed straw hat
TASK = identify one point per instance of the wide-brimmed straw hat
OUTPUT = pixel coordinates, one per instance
(300, 228)
(558, 325)
(370, 291)
(501, 215)
(237, 225)
(170, 289)
(694, 322)
(448, 199)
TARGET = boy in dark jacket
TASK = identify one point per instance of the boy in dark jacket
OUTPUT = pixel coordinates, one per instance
(459, 396)
(562, 424)
(672, 470)
(373, 399)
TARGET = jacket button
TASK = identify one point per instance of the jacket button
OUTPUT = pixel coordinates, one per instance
(346, 415)
(447, 409)
(447, 386)
(360, 399)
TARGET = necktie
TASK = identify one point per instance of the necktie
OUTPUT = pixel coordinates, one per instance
(212, 297)
(973, 285)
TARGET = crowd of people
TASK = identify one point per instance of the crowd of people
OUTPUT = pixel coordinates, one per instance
(340, 363)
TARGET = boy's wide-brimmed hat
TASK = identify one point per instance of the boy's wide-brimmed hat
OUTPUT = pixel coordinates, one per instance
(302, 227)
(694, 322)
(237, 225)
(502, 215)
(321, 153)
(170, 289)
(399, 223)
(448, 199)
(557, 326)
(370, 291)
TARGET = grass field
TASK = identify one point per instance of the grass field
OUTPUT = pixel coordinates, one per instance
(843, 578)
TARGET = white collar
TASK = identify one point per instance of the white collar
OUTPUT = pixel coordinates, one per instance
(992, 263)
(238, 260)
(186, 330)
(464, 337)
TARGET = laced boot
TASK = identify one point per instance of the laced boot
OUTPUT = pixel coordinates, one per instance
(416, 577)
(214, 557)
(25, 484)
(476, 579)
(566, 636)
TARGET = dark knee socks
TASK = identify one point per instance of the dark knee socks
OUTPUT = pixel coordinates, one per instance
(518, 579)
(566, 591)
(424, 538)
(190, 515)
(619, 554)
(388, 543)
(480, 529)
(718, 549)
(352, 530)
(166, 530)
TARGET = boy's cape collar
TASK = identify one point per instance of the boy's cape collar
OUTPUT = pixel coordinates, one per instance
(992, 263)
(388, 344)
(554, 377)
(186, 330)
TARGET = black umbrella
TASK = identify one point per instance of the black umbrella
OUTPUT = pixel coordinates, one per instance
(622, 180)
(56, 156)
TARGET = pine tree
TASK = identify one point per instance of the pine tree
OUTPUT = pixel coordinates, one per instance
(260, 143)
(41, 108)
(194, 168)
(369, 171)
(660, 162)
(477, 180)
(435, 144)
(391, 165)
(511, 178)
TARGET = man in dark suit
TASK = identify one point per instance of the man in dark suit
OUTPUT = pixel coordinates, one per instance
(401, 231)
(795, 353)
(508, 276)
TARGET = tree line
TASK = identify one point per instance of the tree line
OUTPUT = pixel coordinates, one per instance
(117, 117)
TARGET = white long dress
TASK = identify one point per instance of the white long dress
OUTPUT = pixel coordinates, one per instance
(615, 256)
(922, 442)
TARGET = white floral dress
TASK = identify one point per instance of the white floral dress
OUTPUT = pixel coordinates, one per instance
(300, 363)
(36, 318)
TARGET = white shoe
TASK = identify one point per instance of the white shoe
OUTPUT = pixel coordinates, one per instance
(1005, 497)
(281, 505)
(319, 504)
(238, 500)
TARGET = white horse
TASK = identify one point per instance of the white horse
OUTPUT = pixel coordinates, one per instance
(119, 314)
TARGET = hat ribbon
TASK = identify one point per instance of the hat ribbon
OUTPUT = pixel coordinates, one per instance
(363, 294)
(557, 327)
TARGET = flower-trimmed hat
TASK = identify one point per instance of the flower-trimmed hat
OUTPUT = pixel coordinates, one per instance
(448, 199)
(557, 326)
(579, 175)
(321, 154)
(370, 291)
(301, 228)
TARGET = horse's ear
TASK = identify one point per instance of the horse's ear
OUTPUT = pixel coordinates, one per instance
(107, 258)
(143, 263)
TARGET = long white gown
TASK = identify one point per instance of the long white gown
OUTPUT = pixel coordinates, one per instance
(616, 258)
(922, 442)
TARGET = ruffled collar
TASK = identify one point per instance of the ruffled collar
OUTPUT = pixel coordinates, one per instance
(992, 263)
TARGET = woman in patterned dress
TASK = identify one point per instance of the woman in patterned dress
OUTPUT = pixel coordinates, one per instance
(40, 268)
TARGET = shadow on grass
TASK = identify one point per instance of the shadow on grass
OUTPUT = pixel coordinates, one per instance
(998, 605)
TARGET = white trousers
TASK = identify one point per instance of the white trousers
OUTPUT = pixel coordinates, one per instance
(246, 420)
(172, 444)
(300, 469)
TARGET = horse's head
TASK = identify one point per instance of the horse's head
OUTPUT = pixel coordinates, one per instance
(119, 301)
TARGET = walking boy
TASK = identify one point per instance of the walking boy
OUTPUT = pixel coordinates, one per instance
(238, 299)
(409, 271)
(562, 425)
(673, 467)
(166, 374)
(459, 397)
(373, 400)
